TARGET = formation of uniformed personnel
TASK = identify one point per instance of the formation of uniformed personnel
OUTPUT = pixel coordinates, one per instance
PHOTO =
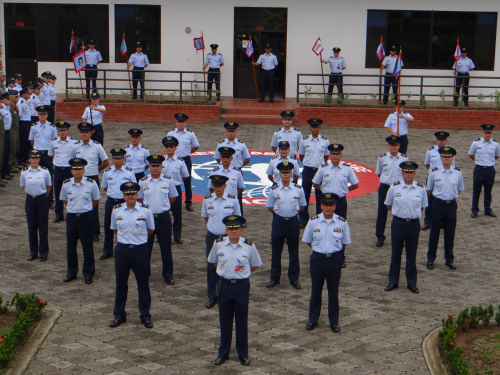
(158, 192)
(268, 62)
(391, 125)
(36, 183)
(137, 154)
(313, 152)
(327, 234)
(175, 168)
(287, 133)
(7, 169)
(389, 172)
(445, 184)
(235, 184)
(216, 206)
(133, 223)
(463, 66)
(24, 125)
(188, 143)
(97, 160)
(389, 63)
(285, 200)
(60, 151)
(337, 65)
(93, 58)
(214, 61)
(93, 114)
(139, 61)
(113, 178)
(273, 172)
(406, 199)
(235, 258)
(80, 195)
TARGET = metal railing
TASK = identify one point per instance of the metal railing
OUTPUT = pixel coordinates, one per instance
(377, 81)
(106, 81)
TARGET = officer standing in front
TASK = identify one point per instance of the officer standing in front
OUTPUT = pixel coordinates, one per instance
(406, 199)
(214, 61)
(285, 201)
(389, 63)
(137, 154)
(287, 133)
(391, 124)
(313, 152)
(328, 235)
(484, 151)
(139, 61)
(36, 183)
(216, 206)
(159, 193)
(93, 58)
(80, 195)
(235, 184)
(93, 114)
(269, 62)
(389, 172)
(235, 258)
(463, 66)
(188, 143)
(273, 174)
(133, 223)
(445, 184)
(113, 178)
(337, 65)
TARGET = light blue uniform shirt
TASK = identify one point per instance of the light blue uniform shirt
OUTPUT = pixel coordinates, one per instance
(176, 169)
(138, 60)
(214, 61)
(390, 62)
(42, 135)
(273, 171)
(35, 181)
(91, 152)
(7, 117)
(292, 136)
(268, 62)
(61, 151)
(52, 92)
(44, 92)
(235, 181)
(464, 65)
(485, 152)
(407, 201)
(286, 201)
(96, 118)
(240, 154)
(113, 178)
(335, 179)
(187, 140)
(24, 110)
(327, 236)
(336, 64)
(234, 261)
(392, 122)
(217, 209)
(157, 193)
(80, 196)
(33, 103)
(93, 57)
(136, 158)
(132, 225)
(445, 184)
(314, 150)
(433, 158)
(388, 168)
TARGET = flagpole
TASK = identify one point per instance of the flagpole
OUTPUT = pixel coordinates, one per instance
(399, 89)
(128, 70)
(455, 77)
(321, 63)
(79, 73)
(202, 64)
(255, 79)
(380, 79)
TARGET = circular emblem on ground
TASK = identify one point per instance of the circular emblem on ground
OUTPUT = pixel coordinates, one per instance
(257, 184)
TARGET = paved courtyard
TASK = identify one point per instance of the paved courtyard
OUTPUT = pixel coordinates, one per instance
(381, 332)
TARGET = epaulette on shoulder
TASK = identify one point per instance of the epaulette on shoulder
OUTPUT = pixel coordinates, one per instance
(435, 169)
(144, 205)
(107, 169)
(277, 131)
(208, 196)
(347, 164)
(420, 184)
(248, 242)
(117, 205)
(297, 185)
(144, 147)
(66, 180)
(181, 159)
(432, 148)
(294, 129)
(397, 183)
(404, 155)
(97, 142)
(293, 158)
(189, 130)
(477, 139)
(231, 196)
(26, 168)
(314, 217)
(90, 180)
(275, 157)
(219, 239)
(221, 142)
(239, 140)
(341, 218)
(45, 168)
(237, 169)
(128, 168)
(275, 186)
(33, 124)
(144, 178)
(215, 169)
(494, 140)
(173, 129)
(76, 141)
(385, 153)
(324, 165)
(52, 125)
(458, 169)
(322, 137)
(331, 57)
(305, 137)
(167, 177)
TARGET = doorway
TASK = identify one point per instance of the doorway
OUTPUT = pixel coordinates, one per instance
(20, 56)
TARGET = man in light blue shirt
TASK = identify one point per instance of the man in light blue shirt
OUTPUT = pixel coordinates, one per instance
(337, 65)
(93, 58)
(273, 173)
(287, 133)
(235, 184)
(137, 154)
(214, 61)
(462, 68)
(139, 61)
(402, 119)
(268, 62)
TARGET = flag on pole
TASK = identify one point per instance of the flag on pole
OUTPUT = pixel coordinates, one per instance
(249, 50)
(199, 43)
(72, 44)
(123, 46)
(318, 47)
(380, 51)
(457, 54)
(397, 67)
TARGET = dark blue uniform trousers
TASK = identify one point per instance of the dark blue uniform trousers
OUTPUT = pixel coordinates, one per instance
(98, 134)
(46, 161)
(79, 227)
(341, 210)
(96, 227)
(266, 81)
(307, 176)
(381, 212)
(211, 77)
(37, 216)
(137, 258)
(212, 276)
(108, 232)
(403, 147)
(404, 233)
(234, 296)
(60, 174)
(285, 228)
(24, 143)
(187, 182)
(335, 79)
(325, 266)
(163, 231)
(444, 214)
(177, 213)
(428, 209)
(482, 176)
(52, 111)
(389, 81)
(6, 154)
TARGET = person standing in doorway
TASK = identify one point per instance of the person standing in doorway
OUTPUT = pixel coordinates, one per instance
(269, 62)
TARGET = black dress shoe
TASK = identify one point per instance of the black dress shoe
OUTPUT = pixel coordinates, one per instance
(96, 238)
(147, 323)
(88, 280)
(211, 303)
(413, 289)
(344, 265)
(490, 213)
(311, 326)
(67, 279)
(32, 257)
(473, 215)
(390, 287)
(178, 240)
(451, 265)
(380, 243)
(52, 205)
(189, 208)
(295, 284)
(170, 281)
(244, 361)
(7, 178)
(105, 256)
(302, 226)
(335, 328)
(430, 265)
(426, 226)
(272, 283)
(43, 258)
(220, 360)
(57, 220)
(117, 322)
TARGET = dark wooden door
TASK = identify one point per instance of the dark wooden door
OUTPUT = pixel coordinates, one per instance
(243, 74)
(20, 52)
(278, 48)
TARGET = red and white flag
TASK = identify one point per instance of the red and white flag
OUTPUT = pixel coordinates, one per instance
(380, 51)
(72, 44)
(457, 54)
(318, 47)
(249, 50)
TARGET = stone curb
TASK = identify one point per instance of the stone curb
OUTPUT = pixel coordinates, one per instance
(431, 353)
(35, 341)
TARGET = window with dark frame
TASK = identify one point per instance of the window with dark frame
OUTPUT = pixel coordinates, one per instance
(428, 38)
